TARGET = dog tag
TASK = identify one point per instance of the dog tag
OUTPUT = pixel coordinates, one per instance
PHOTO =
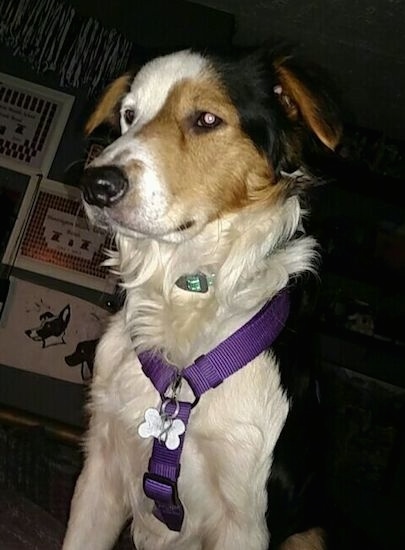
(162, 427)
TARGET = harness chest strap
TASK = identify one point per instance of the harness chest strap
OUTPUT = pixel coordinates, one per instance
(207, 372)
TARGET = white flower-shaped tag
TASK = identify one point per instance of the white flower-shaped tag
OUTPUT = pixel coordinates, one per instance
(163, 428)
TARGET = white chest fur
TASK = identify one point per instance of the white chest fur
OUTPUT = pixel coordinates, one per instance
(231, 434)
(226, 458)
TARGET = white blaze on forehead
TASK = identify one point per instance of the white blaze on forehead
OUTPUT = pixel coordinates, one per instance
(154, 81)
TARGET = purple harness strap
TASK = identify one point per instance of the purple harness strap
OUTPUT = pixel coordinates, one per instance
(207, 371)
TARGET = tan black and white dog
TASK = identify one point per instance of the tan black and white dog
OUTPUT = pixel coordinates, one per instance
(202, 189)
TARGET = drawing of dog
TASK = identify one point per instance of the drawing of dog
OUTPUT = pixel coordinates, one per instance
(52, 328)
(83, 356)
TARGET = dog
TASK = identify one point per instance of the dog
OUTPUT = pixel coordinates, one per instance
(203, 410)
(83, 356)
(52, 328)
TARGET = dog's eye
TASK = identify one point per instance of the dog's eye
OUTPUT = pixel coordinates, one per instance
(208, 121)
(129, 116)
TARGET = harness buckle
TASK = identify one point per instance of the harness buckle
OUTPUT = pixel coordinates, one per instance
(161, 489)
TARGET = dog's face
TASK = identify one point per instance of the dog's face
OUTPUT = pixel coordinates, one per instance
(200, 138)
(50, 325)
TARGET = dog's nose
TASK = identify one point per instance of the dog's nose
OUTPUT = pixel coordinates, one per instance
(103, 185)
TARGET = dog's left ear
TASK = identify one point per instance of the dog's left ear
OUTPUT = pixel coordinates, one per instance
(107, 109)
(303, 96)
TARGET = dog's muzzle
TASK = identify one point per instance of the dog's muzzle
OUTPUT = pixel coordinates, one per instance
(103, 185)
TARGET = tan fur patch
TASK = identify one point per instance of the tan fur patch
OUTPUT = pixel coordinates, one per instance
(238, 176)
(106, 107)
(313, 539)
(295, 94)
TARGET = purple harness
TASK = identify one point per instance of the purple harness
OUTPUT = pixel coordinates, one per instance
(208, 371)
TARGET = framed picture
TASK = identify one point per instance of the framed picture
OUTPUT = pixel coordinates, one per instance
(32, 119)
(52, 237)
(50, 333)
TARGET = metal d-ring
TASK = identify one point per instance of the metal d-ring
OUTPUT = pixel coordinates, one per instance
(174, 414)
(175, 388)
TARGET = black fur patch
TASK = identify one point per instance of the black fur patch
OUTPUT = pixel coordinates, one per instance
(295, 499)
(288, 143)
(250, 81)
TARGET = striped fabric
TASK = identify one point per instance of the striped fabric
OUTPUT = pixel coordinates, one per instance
(50, 35)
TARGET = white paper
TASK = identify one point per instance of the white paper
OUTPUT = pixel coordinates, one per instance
(41, 327)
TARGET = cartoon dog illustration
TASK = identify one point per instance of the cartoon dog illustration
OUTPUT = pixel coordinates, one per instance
(83, 355)
(52, 328)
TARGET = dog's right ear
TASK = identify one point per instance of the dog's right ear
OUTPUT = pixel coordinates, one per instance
(302, 95)
(107, 110)
(65, 314)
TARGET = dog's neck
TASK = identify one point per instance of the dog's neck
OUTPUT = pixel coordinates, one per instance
(252, 254)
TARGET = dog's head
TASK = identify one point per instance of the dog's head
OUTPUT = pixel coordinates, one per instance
(50, 325)
(201, 137)
(83, 355)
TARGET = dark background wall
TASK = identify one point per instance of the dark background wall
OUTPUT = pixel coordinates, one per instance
(361, 43)
(162, 23)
